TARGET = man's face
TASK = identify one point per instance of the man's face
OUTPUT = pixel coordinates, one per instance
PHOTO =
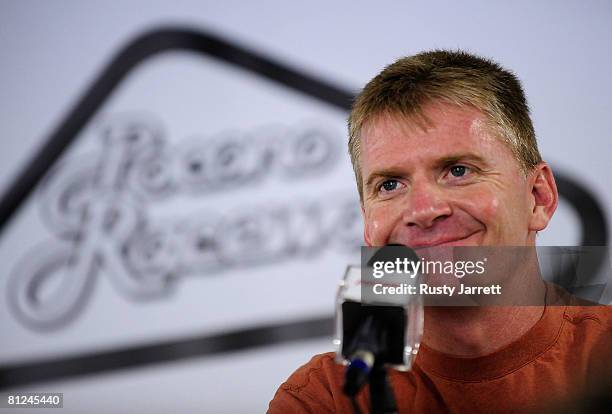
(453, 184)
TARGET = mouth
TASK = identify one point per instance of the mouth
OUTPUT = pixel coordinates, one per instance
(446, 241)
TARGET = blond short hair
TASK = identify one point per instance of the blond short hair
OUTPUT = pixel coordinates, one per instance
(454, 77)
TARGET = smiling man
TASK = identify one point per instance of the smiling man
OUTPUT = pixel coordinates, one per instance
(445, 154)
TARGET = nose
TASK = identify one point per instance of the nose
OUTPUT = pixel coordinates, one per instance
(426, 206)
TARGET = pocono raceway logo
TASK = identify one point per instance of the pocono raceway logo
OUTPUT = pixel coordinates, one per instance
(96, 205)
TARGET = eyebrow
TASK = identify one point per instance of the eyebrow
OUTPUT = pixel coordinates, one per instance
(455, 158)
(439, 163)
(386, 173)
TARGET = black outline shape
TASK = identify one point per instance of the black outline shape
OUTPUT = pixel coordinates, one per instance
(134, 54)
(594, 230)
(175, 350)
(593, 223)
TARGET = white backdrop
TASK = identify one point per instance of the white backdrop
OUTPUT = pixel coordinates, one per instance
(52, 51)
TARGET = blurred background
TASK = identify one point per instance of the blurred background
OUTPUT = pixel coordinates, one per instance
(178, 203)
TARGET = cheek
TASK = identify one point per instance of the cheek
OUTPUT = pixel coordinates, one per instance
(491, 207)
(380, 222)
(497, 208)
(484, 206)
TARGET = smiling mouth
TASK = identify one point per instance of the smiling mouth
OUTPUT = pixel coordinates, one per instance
(443, 242)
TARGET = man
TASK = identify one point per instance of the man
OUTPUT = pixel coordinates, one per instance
(445, 154)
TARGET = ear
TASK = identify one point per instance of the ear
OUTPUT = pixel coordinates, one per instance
(366, 230)
(544, 196)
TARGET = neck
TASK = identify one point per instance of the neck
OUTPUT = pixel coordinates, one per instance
(480, 330)
(477, 331)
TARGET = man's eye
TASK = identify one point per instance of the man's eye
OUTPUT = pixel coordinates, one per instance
(389, 185)
(458, 170)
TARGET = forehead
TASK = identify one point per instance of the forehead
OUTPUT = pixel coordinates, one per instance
(449, 130)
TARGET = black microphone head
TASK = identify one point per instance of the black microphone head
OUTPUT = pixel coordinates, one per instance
(390, 252)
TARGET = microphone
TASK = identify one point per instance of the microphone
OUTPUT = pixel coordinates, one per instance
(366, 345)
(373, 333)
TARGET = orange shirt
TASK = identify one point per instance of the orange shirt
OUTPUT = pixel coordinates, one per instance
(561, 355)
